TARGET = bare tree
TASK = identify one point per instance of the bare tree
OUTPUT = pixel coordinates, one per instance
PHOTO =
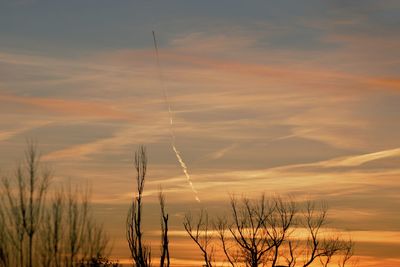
(95, 246)
(76, 219)
(278, 225)
(314, 220)
(51, 234)
(77, 240)
(249, 232)
(140, 253)
(4, 248)
(222, 225)
(261, 233)
(25, 204)
(164, 232)
(14, 211)
(57, 209)
(56, 233)
(200, 234)
(38, 184)
(319, 246)
(348, 253)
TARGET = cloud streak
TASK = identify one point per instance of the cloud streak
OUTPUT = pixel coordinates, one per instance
(260, 106)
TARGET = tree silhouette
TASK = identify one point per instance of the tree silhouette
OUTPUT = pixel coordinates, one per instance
(140, 252)
(25, 204)
(198, 230)
(165, 258)
(51, 232)
(262, 232)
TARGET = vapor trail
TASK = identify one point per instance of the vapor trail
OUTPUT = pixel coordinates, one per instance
(171, 123)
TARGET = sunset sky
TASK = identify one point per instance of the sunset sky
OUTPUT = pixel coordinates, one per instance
(298, 98)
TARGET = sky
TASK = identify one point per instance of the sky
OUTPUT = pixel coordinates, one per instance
(297, 98)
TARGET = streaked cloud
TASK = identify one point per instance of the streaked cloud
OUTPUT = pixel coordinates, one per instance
(7, 134)
(282, 98)
(67, 107)
(361, 159)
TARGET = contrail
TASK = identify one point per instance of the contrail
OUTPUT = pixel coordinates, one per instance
(171, 123)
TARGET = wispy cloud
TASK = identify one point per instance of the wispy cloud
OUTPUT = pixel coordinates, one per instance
(66, 107)
(121, 138)
(7, 134)
(358, 160)
(221, 152)
(260, 109)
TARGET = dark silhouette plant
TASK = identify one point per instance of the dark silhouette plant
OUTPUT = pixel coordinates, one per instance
(36, 230)
(140, 252)
(262, 232)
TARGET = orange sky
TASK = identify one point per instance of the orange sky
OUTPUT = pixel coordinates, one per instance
(281, 98)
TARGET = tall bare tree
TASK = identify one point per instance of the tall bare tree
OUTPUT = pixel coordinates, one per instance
(14, 212)
(35, 232)
(51, 235)
(165, 258)
(71, 237)
(96, 242)
(25, 204)
(76, 219)
(140, 253)
(4, 247)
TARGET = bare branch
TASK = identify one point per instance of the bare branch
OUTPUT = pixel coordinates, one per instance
(140, 253)
(164, 232)
(198, 230)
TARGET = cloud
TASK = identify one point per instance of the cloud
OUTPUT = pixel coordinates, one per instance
(353, 161)
(220, 153)
(119, 140)
(76, 108)
(216, 44)
(304, 106)
(7, 134)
